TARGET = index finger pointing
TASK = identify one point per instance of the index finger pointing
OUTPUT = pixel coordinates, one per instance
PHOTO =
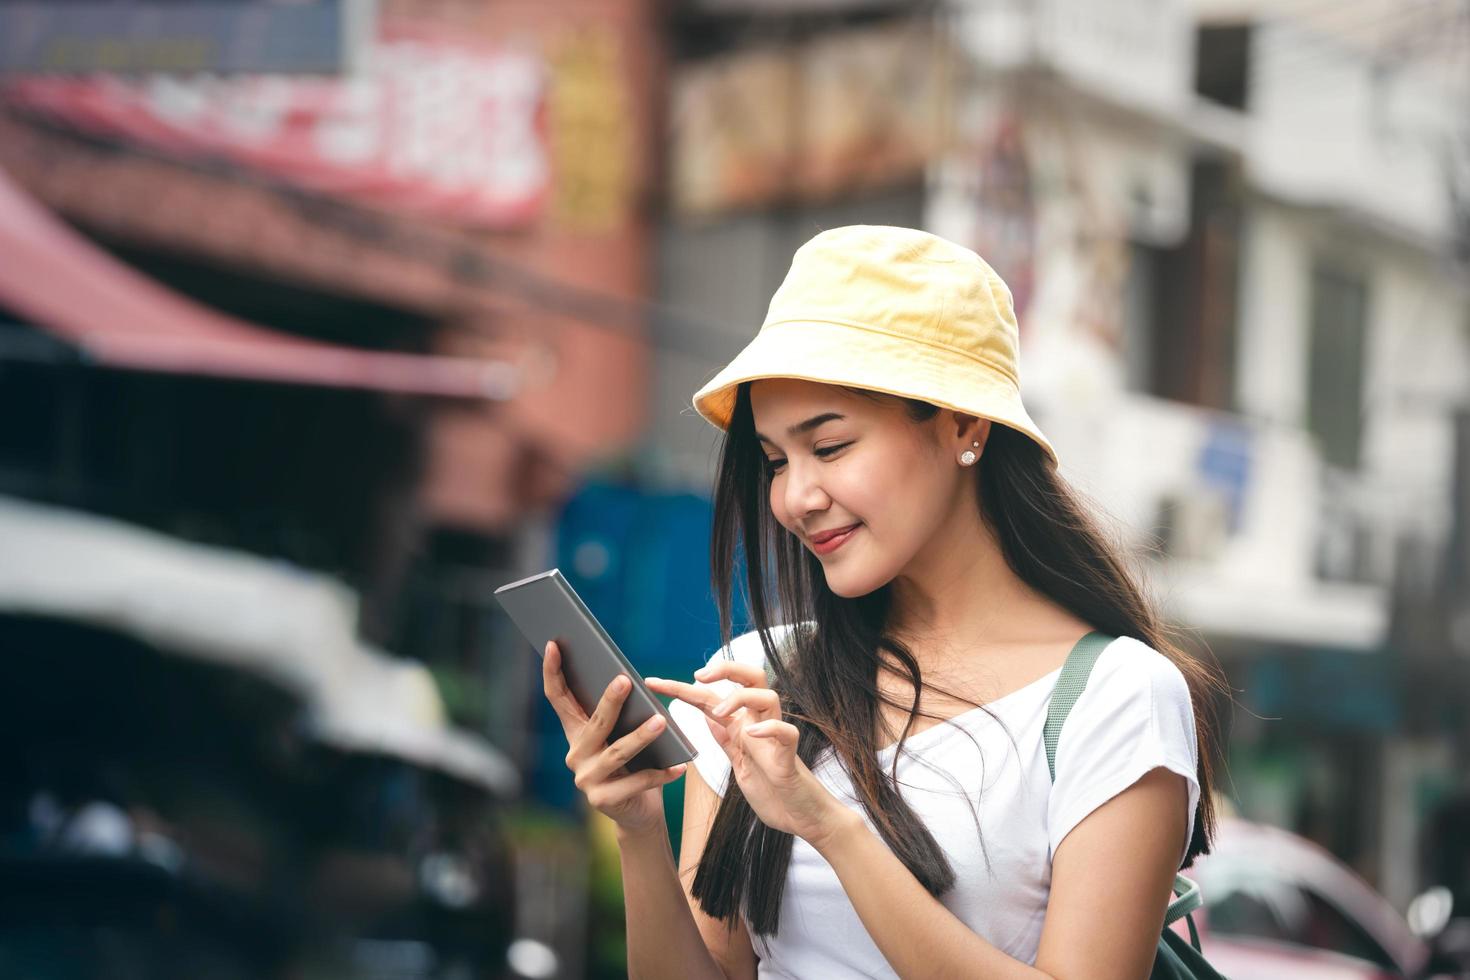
(700, 697)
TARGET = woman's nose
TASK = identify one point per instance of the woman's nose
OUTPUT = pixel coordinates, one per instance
(804, 493)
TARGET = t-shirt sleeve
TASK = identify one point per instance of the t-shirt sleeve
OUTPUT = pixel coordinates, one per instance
(711, 761)
(1133, 717)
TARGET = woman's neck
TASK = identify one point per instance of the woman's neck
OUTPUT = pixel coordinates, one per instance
(960, 595)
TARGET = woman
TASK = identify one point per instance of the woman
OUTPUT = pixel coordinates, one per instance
(872, 795)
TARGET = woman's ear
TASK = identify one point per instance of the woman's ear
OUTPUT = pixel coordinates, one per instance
(970, 430)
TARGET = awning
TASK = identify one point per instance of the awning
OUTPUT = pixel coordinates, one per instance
(290, 626)
(55, 278)
(390, 707)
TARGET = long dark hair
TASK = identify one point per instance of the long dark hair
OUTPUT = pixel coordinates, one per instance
(828, 682)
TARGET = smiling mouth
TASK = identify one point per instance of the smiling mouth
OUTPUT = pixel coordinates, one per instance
(830, 541)
(823, 536)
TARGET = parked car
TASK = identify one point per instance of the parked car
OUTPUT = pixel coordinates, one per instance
(1279, 906)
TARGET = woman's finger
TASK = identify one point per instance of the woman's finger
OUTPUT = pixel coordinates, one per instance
(718, 730)
(615, 791)
(617, 755)
(760, 703)
(700, 697)
(554, 683)
(748, 675)
(777, 731)
(594, 734)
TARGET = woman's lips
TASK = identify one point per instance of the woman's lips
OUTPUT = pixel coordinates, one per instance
(834, 542)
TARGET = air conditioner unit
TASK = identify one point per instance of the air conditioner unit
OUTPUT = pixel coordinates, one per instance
(1193, 523)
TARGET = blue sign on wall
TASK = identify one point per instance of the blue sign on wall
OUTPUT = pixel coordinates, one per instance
(640, 561)
(312, 37)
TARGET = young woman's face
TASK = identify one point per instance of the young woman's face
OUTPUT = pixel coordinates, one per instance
(860, 466)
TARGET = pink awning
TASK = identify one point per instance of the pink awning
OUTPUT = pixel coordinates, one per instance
(55, 278)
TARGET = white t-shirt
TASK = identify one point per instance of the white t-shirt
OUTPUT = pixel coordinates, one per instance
(1133, 716)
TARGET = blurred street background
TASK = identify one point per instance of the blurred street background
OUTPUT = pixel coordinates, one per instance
(321, 319)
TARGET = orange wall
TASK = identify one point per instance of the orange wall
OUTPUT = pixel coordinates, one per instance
(587, 381)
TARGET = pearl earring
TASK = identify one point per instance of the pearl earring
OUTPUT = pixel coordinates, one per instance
(968, 457)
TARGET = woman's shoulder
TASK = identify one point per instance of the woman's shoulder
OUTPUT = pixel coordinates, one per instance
(748, 649)
(1129, 668)
(1133, 716)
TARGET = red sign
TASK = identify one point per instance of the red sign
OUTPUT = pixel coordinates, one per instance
(429, 125)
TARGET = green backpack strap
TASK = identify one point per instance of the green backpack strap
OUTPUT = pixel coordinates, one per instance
(1187, 899)
(1069, 688)
(1070, 685)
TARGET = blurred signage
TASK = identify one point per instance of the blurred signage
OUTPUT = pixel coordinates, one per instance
(786, 6)
(223, 36)
(809, 122)
(588, 114)
(430, 125)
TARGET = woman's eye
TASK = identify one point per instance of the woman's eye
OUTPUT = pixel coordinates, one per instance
(773, 466)
(826, 451)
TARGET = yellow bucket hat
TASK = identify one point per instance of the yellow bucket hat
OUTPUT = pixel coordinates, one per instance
(894, 310)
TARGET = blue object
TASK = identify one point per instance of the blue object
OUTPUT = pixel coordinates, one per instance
(640, 560)
(1224, 462)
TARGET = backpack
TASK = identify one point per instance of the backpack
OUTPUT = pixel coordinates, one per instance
(1175, 959)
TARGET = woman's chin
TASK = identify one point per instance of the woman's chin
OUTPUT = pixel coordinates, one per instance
(853, 583)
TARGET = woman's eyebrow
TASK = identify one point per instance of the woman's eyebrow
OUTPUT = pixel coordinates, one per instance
(808, 425)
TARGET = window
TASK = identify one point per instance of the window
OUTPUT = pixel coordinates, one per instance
(1180, 301)
(1222, 64)
(1141, 315)
(1324, 926)
(1266, 906)
(1339, 320)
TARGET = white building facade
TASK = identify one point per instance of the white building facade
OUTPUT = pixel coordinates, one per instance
(1238, 246)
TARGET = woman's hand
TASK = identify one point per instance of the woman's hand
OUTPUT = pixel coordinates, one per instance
(634, 801)
(761, 747)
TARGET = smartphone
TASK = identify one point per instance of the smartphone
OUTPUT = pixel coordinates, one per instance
(545, 607)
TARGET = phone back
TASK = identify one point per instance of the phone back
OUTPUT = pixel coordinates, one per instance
(545, 607)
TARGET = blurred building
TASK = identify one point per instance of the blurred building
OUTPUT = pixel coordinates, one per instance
(387, 340)
(207, 773)
(373, 327)
(476, 192)
(1236, 238)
